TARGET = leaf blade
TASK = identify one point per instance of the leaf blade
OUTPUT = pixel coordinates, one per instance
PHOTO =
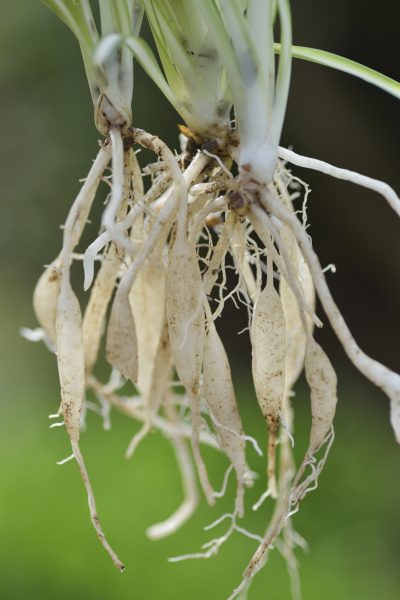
(346, 65)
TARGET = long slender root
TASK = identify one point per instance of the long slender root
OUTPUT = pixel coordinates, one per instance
(189, 504)
(380, 375)
(375, 185)
(92, 507)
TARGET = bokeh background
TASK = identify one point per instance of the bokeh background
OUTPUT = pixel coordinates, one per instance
(352, 523)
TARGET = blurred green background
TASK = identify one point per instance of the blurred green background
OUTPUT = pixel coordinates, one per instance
(352, 523)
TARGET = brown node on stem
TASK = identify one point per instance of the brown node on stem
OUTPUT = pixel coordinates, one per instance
(238, 202)
(128, 139)
(213, 145)
(244, 192)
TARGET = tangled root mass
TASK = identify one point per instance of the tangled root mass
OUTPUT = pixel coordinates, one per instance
(162, 283)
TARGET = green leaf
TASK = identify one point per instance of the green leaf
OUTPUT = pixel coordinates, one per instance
(75, 15)
(145, 57)
(328, 59)
(284, 70)
(213, 18)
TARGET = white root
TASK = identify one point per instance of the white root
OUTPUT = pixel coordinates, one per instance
(133, 408)
(158, 383)
(211, 187)
(322, 380)
(286, 473)
(238, 249)
(212, 547)
(80, 209)
(122, 349)
(104, 285)
(117, 191)
(153, 143)
(95, 312)
(69, 336)
(214, 206)
(147, 299)
(186, 327)
(197, 423)
(70, 358)
(380, 375)
(285, 546)
(296, 335)
(103, 239)
(140, 291)
(90, 255)
(185, 313)
(375, 185)
(167, 213)
(137, 179)
(300, 486)
(68, 326)
(268, 366)
(45, 298)
(189, 504)
(121, 344)
(214, 266)
(324, 400)
(92, 507)
(48, 287)
(118, 336)
(264, 227)
(221, 401)
(224, 486)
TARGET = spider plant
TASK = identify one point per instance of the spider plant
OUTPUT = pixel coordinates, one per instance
(226, 200)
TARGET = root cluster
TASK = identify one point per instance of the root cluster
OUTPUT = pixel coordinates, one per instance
(181, 237)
